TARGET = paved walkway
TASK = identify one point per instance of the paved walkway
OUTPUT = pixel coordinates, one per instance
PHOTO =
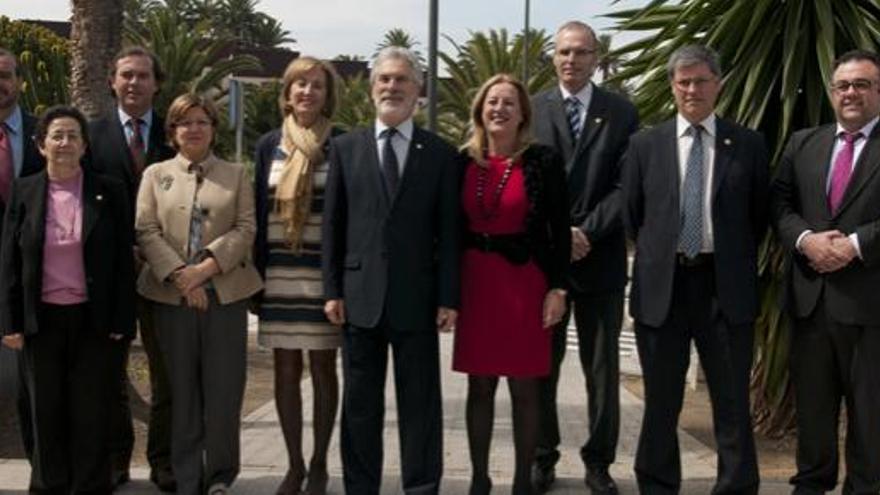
(264, 456)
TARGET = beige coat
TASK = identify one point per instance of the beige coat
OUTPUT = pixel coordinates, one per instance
(164, 209)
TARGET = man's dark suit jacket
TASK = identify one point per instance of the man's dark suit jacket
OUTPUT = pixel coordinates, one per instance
(739, 219)
(593, 169)
(398, 255)
(108, 152)
(799, 203)
(32, 161)
(109, 267)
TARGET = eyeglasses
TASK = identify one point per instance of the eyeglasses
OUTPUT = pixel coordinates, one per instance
(860, 85)
(186, 124)
(697, 82)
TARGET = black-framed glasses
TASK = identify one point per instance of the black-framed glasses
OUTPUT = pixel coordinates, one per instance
(860, 85)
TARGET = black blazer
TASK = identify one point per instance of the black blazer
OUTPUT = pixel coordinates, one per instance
(265, 151)
(652, 218)
(393, 255)
(109, 266)
(547, 225)
(799, 202)
(108, 152)
(592, 168)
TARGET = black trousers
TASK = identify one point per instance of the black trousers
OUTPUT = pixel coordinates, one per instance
(419, 408)
(831, 361)
(726, 357)
(598, 318)
(67, 374)
(121, 426)
(159, 433)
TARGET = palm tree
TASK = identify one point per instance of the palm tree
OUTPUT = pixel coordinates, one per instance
(478, 59)
(609, 65)
(190, 59)
(96, 30)
(399, 37)
(355, 106)
(778, 58)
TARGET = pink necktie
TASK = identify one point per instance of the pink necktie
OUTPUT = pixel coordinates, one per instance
(7, 172)
(842, 171)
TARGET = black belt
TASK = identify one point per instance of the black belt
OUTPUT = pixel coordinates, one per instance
(698, 260)
(514, 247)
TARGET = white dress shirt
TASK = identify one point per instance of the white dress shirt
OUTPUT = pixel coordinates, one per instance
(399, 142)
(146, 125)
(585, 95)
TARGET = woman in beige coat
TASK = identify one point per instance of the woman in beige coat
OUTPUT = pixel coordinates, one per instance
(195, 227)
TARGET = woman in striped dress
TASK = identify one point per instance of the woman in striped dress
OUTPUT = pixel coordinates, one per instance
(290, 173)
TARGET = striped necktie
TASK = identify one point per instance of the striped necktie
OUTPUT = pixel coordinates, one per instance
(573, 112)
(7, 167)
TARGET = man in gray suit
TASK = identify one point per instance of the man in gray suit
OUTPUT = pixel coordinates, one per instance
(590, 128)
(826, 212)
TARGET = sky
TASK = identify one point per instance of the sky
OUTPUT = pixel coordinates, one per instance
(326, 28)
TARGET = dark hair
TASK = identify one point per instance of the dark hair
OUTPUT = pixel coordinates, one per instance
(139, 51)
(857, 56)
(6, 53)
(59, 112)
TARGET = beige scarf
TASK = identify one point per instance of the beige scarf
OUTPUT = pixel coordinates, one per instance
(293, 194)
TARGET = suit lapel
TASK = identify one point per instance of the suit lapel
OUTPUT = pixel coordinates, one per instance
(91, 205)
(820, 149)
(413, 159)
(724, 146)
(560, 123)
(36, 196)
(117, 141)
(156, 140)
(668, 149)
(374, 167)
(594, 120)
(865, 168)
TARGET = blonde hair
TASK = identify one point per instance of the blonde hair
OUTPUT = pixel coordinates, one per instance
(296, 70)
(184, 103)
(477, 144)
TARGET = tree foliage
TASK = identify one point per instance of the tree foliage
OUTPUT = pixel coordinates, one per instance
(43, 58)
(777, 57)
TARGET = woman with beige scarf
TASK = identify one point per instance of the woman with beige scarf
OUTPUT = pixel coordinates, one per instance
(290, 173)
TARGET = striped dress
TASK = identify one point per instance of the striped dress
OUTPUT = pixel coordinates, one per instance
(292, 311)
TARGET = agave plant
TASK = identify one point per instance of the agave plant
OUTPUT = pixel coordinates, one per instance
(43, 58)
(777, 58)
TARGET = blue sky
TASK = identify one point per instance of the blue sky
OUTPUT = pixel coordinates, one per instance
(326, 28)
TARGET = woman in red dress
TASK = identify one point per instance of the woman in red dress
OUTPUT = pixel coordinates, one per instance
(517, 247)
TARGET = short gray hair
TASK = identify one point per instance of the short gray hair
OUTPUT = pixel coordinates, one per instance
(578, 26)
(690, 55)
(398, 53)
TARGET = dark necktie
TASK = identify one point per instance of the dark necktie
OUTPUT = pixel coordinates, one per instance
(690, 240)
(842, 172)
(7, 168)
(573, 112)
(390, 166)
(136, 146)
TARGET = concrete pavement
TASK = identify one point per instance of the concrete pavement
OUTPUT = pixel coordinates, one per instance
(264, 457)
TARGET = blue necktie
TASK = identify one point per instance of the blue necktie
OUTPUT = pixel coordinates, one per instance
(390, 167)
(690, 240)
(573, 112)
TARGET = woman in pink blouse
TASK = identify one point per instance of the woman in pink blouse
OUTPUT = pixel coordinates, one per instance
(67, 297)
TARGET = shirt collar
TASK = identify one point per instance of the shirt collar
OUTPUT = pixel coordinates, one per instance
(866, 131)
(14, 121)
(584, 95)
(404, 129)
(185, 164)
(146, 118)
(682, 125)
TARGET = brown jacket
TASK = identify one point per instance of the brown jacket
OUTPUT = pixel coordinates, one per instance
(164, 209)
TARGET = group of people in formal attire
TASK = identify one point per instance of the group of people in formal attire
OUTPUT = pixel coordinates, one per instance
(383, 236)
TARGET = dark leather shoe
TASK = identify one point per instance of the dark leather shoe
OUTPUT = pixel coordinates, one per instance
(543, 477)
(600, 482)
(119, 477)
(480, 486)
(164, 479)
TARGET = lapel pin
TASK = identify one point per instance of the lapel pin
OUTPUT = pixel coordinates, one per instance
(727, 141)
(165, 182)
(418, 146)
(99, 197)
(598, 120)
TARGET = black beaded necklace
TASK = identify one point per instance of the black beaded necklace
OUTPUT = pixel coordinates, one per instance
(482, 178)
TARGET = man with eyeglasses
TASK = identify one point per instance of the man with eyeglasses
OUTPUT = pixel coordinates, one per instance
(695, 204)
(590, 128)
(826, 212)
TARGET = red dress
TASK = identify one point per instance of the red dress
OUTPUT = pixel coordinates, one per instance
(499, 330)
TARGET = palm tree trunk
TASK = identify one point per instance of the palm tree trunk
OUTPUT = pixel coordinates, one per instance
(96, 29)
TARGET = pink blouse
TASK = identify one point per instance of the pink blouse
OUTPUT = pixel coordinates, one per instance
(64, 274)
